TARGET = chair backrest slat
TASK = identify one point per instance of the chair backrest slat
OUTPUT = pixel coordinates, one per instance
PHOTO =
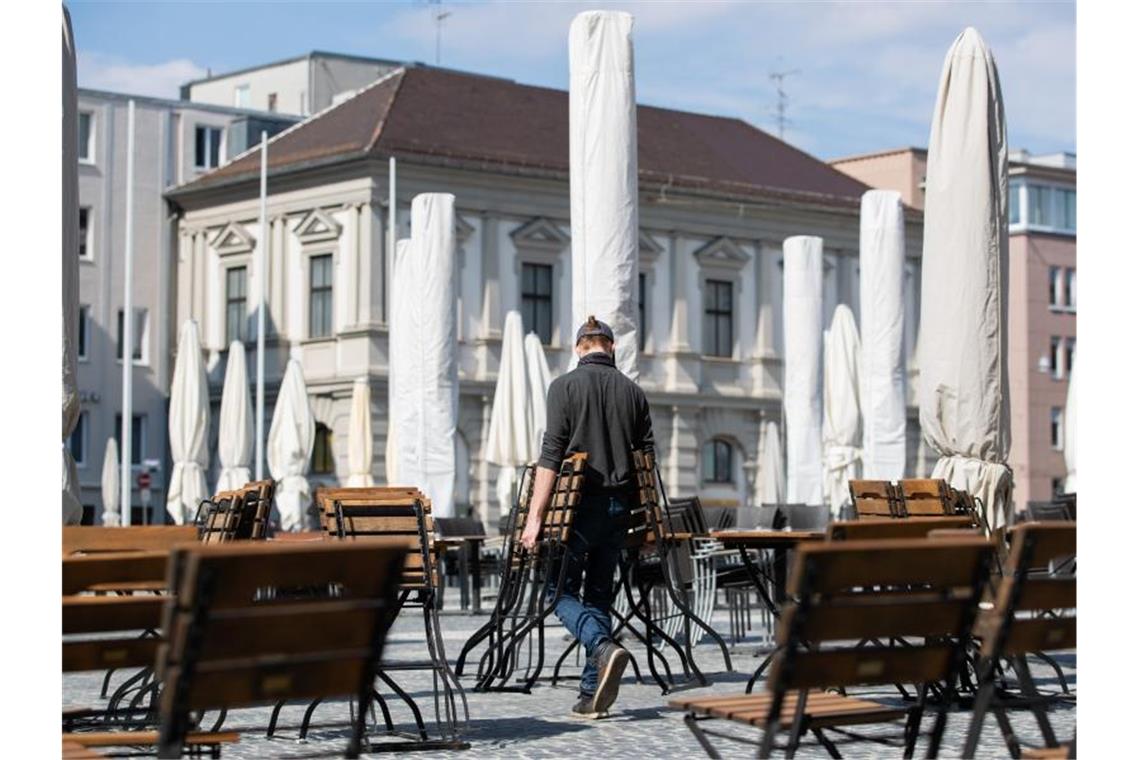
(873, 498)
(909, 561)
(851, 667)
(886, 528)
(90, 539)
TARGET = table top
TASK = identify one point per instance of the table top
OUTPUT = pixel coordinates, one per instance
(766, 539)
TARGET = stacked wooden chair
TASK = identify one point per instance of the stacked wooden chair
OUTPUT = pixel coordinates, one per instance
(912, 498)
(518, 620)
(859, 591)
(242, 514)
(1034, 612)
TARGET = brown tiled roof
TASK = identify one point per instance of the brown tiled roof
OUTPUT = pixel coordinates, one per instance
(494, 123)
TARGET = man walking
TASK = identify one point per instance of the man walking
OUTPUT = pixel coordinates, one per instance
(597, 410)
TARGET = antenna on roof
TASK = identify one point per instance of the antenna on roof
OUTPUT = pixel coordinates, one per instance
(781, 98)
(438, 16)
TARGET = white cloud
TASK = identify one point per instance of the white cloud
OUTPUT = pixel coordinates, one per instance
(99, 71)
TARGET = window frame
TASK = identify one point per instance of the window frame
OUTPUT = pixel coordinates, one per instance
(1057, 428)
(312, 291)
(717, 445)
(82, 429)
(143, 337)
(141, 438)
(533, 300)
(229, 301)
(86, 234)
(1069, 284)
(211, 149)
(83, 337)
(88, 159)
(715, 316)
(1056, 357)
(322, 443)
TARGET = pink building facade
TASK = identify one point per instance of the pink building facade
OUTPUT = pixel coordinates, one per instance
(1042, 299)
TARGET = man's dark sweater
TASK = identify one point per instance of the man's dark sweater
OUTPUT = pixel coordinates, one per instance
(597, 409)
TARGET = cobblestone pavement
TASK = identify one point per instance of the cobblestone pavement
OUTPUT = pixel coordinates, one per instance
(538, 725)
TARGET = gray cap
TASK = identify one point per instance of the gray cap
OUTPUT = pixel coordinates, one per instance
(598, 328)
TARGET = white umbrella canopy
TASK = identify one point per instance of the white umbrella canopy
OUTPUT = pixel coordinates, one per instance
(235, 423)
(110, 484)
(841, 411)
(72, 509)
(509, 441)
(1071, 433)
(397, 327)
(773, 485)
(290, 445)
(803, 349)
(537, 383)
(963, 388)
(189, 422)
(360, 436)
(603, 178)
(882, 283)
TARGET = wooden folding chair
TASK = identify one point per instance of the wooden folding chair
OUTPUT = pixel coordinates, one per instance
(1035, 612)
(856, 591)
(878, 529)
(231, 644)
(241, 514)
(925, 497)
(874, 498)
(94, 539)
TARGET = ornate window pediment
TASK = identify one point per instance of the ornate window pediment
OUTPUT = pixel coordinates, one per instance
(648, 249)
(233, 239)
(317, 226)
(540, 234)
(724, 253)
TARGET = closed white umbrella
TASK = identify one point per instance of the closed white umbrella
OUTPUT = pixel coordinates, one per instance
(882, 253)
(360, 435)
(603, 178)
(110, 484)
(803, 349)
(398, 326)
(235, 423)
(963, 386)
(426, 369)
(290, 445)
(72, 509)
(509, 443)
(189, 421)
(841, 411)
(537, 383)
(1071, 433)
(773, 484)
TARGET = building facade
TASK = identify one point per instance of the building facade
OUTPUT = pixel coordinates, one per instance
(174, 143)
(1042, 299)
(298, 86)
(718, 197)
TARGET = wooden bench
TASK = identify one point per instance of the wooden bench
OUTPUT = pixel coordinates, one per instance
(232, 645)
(874, 498)
(1034, 612)
(860, 591)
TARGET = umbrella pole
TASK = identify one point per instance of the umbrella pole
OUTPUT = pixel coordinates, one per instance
(127, 345)
(262, 282)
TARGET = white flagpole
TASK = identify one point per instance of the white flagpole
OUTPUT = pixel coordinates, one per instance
(391, 257)
(262, 282)
(128, 323)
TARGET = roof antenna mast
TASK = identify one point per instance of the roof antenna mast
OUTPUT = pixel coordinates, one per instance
(438, 15)
(781, 98)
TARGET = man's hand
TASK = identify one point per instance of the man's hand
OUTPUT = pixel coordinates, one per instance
(530, 535)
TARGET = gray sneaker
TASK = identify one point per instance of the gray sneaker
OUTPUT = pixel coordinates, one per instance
(612, 660)
(585, 708)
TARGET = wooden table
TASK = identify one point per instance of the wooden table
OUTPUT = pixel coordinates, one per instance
(780, 542)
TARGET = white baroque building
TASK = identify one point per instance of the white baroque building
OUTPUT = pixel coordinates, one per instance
(718, 197)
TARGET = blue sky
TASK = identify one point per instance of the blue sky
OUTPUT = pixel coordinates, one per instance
(867, 71)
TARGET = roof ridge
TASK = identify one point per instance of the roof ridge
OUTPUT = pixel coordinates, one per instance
(379, 130)
(309, 120)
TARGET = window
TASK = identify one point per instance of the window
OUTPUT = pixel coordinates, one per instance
(1056, 358)
(717, 462)
(1058, 486)
(1015, 203)
(236, 306)
(1040, 198)
(138, 436)
(1056, 288)
(86, 137)
(1071, 289)
(1057, 427)
(207, 147)
(241, 96)
(322, 462)
(640, 312)
(85, 249)
(82, 335)
(718, 318)
(78, 442)
(1067, 211)
(271, 103)
(138, 338)
(1070, 354)
(320, 296)
(537, 301)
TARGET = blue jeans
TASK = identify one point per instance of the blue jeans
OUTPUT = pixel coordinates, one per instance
(596, 540)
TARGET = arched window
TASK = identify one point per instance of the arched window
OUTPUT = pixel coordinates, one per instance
(717, 462)
(323, 462)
